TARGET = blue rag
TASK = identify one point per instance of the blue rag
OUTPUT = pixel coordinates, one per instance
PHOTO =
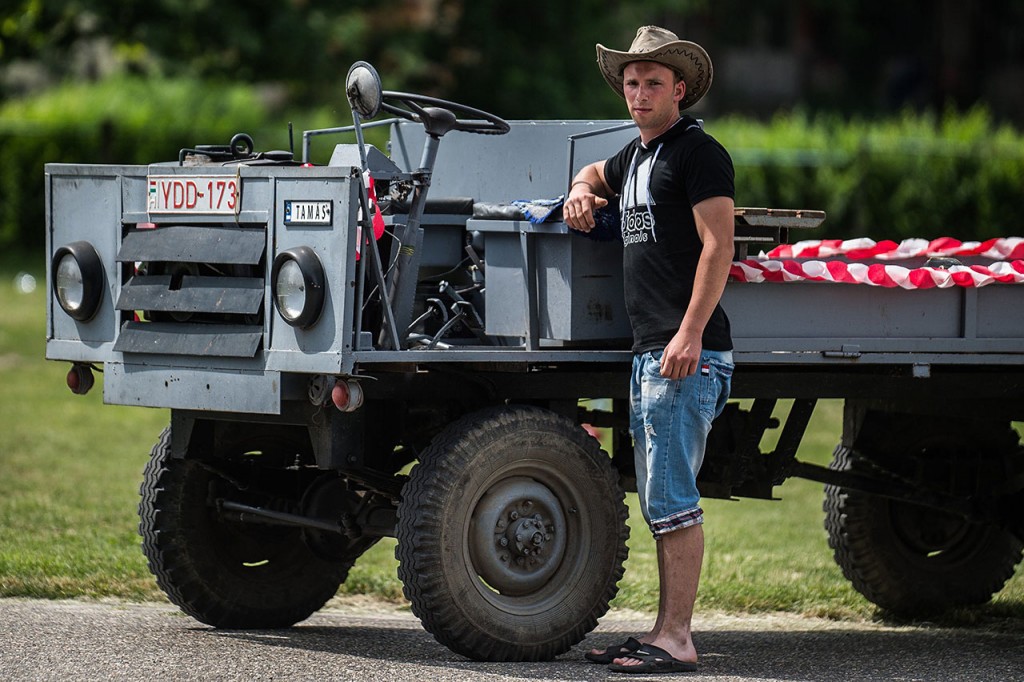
(540, 210)
(606, 228)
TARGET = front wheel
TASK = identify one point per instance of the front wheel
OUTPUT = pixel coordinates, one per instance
(220, 571)
(511, 535)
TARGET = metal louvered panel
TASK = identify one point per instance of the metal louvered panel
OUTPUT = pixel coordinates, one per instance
(164, 338)
(190, 244)
(197, 294)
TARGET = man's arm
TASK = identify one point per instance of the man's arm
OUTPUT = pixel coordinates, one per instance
(715, 227)
(589, 192)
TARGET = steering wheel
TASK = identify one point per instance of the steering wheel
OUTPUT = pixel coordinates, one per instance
(438, 116)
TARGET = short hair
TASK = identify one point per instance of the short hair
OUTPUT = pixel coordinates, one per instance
(676, 73)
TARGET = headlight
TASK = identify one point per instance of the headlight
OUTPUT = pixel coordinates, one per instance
(297, 281)
(78, 279)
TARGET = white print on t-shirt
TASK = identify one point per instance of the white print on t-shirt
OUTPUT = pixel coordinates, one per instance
(636, 203)
(637, 200)
(636, 224)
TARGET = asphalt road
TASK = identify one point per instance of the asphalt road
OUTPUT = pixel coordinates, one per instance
(71, 640)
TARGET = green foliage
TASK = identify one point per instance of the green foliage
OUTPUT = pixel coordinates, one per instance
(915, 175)
(127, 120)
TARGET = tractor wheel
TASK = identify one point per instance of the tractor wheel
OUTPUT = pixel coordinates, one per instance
(220, 571)
(911, 560)
(511, 535)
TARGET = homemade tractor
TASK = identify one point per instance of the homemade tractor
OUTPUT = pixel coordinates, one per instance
(346, 359)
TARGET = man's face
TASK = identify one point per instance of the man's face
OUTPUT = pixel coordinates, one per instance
(653, 95)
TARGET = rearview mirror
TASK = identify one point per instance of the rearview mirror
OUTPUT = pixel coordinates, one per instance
(363, 90)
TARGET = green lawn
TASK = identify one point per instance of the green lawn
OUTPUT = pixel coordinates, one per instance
(70, 470)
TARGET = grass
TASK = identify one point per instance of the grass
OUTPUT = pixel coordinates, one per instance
(70, 469)
(761, 555)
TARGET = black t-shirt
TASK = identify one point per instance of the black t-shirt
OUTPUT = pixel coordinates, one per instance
(658, 185)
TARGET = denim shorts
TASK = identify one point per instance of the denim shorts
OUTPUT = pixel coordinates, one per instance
(670, 420)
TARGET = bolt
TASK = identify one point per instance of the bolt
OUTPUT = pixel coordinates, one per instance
(547, 536)
(527, 504)
(519, 537)
(520, 561)
(503, 557)
(536, 517)
(501, 524)
(514, 515)
(503, 542)
(537, 538)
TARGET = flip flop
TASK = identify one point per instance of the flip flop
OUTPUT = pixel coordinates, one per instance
(615, 651)
(653, 660)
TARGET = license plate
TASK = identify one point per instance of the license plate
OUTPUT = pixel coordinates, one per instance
(307, 212)
(194, 194)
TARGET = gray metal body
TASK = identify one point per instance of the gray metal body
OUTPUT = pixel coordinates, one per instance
(552, 294)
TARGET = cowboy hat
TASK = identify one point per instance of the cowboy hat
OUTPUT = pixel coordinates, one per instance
(654, 44)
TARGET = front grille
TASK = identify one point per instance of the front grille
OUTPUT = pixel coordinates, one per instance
(193, 290)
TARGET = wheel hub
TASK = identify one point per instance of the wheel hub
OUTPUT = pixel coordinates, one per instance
(526, 537)
(518, 536)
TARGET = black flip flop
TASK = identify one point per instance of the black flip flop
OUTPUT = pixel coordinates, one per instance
(653, 660)
(615, 651)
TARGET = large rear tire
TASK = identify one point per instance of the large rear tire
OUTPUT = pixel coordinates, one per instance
(511, 535)
(222, 572)
(911, 560)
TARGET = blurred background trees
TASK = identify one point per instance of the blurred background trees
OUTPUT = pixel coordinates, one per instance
(535, 58)
(847, 106)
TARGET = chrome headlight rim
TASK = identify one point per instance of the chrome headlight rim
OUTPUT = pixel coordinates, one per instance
(313, 280)
(90, 268)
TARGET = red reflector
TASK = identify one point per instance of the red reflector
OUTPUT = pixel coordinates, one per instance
(347, 395)
(340, 395)
(80, 379)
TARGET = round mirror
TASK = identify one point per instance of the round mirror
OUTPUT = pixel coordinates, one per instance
(363, 89)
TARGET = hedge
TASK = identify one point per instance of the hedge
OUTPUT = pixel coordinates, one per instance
(127, 120)
(916, 175)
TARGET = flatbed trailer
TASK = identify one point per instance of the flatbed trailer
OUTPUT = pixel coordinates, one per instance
(307, 365)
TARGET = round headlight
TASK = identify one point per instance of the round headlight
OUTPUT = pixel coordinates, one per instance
(290, 291)
(297, 281)
(78, 280)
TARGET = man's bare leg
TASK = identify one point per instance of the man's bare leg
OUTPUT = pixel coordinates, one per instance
(656, 628)
(680, 556)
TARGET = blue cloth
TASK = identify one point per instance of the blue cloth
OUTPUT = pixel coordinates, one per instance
(540, 210)
(606, 220)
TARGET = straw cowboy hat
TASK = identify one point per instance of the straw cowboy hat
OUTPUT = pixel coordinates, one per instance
(654, 44)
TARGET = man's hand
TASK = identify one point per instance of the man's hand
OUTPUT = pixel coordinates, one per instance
(714, 220)
(586, 195)
(681, 357)
(579, 207)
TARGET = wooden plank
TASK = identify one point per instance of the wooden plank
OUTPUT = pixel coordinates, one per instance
(779, 218)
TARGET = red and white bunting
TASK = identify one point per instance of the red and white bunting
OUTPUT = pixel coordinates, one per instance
(999, 248)
(877, 274)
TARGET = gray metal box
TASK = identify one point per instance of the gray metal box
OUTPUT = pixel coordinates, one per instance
(578, 282)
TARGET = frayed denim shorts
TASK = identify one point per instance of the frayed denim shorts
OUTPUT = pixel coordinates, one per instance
(670, 420)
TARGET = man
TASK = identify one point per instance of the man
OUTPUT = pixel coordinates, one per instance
(676, 188)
